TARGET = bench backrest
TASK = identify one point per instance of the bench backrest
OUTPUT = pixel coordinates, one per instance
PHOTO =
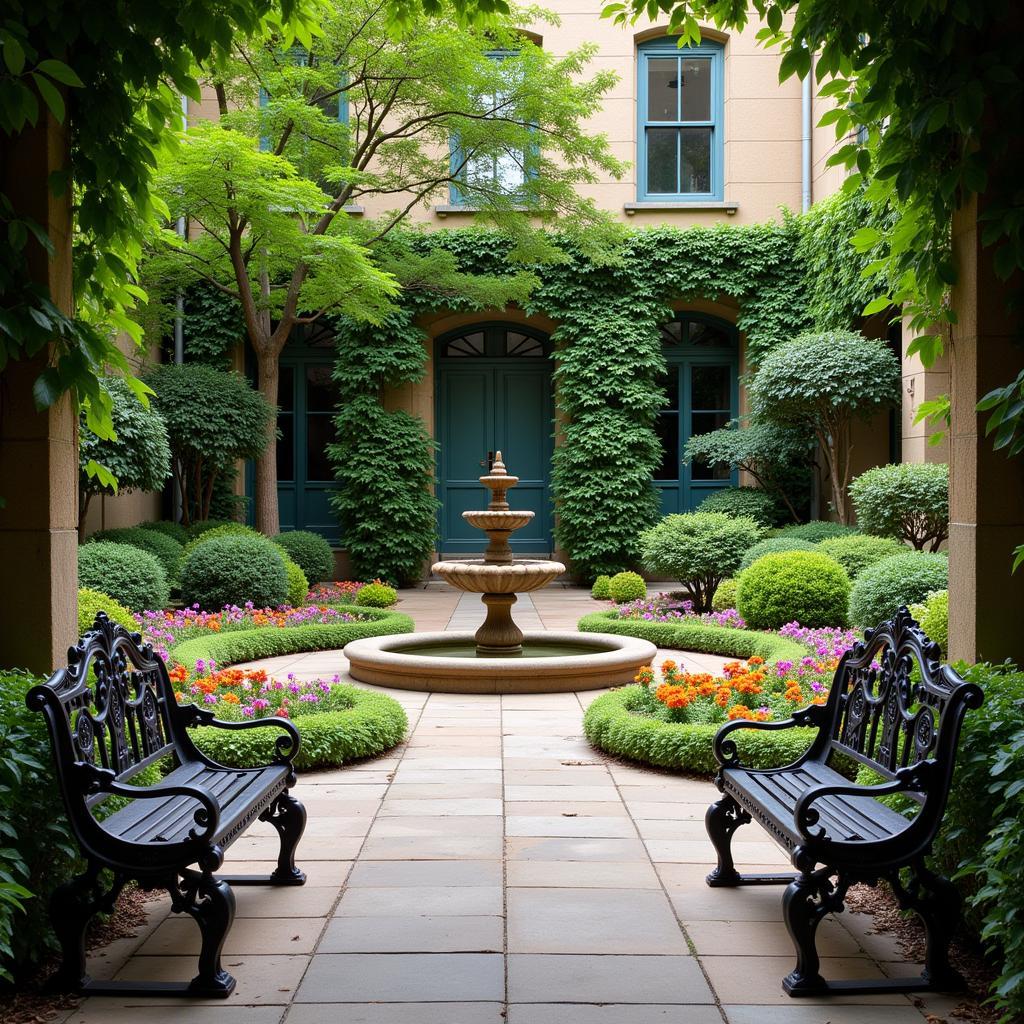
(117, 718)
(893, 706)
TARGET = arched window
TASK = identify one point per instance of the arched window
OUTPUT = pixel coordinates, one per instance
(680, 139)
(702, 356)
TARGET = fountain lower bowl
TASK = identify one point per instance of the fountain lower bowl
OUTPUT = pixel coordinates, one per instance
(447, 662)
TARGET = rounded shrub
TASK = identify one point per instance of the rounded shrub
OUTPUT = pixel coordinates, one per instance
(234, 570)
(752, 502)
(859, 550)
(92, 601)
(904, 579)
(774, 546)
(626, 586)
(794, 586)
(377, 595)
(164, 548)
(700, 549)
(131, 576)
(817, 530)
(173, 530)
(298, 585)
(907, 500)
(219, 530)
(725, 595)
(310, 552)
(599, 591)
(933, 617)
(201, 526)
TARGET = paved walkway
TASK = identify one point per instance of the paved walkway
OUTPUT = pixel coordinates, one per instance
(496, 870)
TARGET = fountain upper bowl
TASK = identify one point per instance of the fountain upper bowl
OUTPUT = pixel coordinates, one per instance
(475, 576)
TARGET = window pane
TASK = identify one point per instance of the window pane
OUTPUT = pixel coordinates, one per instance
(320, 432)
(696, 92)
(523, 346)
(709, 387)
(509, 172)
(321, 394)
(480, 171)
(663, 89)
(286, 447)
(468, 345)
(709, 335)
(672, 332)
(701, 423)
(662, 171)
(696, 150)
(667, 427)
(670, 383)
(286, 389)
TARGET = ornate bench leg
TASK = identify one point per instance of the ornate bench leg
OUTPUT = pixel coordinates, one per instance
(212, 903)
(721, 820)
(809, 898)
(72, 906)
(290, 821)
(936, 901)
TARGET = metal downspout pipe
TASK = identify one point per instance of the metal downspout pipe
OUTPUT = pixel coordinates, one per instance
(179, 316)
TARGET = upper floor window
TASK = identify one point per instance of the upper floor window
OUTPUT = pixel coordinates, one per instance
(679, 135)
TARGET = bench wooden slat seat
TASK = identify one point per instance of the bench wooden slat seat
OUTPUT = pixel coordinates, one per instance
(896, 710)
(111, 714)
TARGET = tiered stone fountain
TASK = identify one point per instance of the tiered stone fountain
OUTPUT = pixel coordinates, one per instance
(499, 657)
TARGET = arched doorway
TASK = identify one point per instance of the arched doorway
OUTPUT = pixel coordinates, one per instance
(493, 394)
(702, 383)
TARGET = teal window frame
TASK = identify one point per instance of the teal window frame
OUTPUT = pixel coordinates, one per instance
(668, 47)
(300, 55)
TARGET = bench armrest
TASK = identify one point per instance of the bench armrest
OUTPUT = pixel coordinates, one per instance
(805, 817)
(207, 815)
(726, 751)
(286, 747)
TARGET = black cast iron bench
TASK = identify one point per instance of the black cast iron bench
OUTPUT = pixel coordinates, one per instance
(106, 727)
(895, 709)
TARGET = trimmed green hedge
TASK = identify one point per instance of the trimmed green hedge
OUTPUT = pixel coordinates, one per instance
(373, 724)
(270, 641)
(730, 643)
(611, 724)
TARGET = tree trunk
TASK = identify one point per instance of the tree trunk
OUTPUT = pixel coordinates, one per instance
(265, 499)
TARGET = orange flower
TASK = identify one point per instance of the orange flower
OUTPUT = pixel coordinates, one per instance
(741, 711)
(723, 696)
(755, 660)
(230, 698)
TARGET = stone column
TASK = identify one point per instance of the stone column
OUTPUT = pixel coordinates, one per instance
(38, 450)
(986, 607)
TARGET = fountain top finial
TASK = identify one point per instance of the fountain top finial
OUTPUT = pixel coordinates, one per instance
(499, 481)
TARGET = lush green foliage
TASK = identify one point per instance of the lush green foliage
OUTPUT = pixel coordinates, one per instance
(175, 531)
(725, 595)
(213, 529)
(137, 458)
(626, 586)
(310, 552)
(213, 419)
(856, 552)
(707, 639)
(880, 590)
(131, 576)
(92, 601)
(823, 382)
(601, 590)
(699, 549)
(774, 546)
(794, 586)
(234, 570)
(750, 502)
(213, 325)
(166, 550)
(613, 724)
(298, 585)
(818, 530)
(932, 615)
(201, 526)
(907, 500)
(372, 724)
(377, 595)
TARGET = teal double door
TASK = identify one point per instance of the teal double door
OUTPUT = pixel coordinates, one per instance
(494, 394)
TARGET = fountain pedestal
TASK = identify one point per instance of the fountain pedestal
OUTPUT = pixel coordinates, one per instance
(499, 636)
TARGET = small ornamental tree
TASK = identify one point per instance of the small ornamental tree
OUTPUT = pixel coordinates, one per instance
(137, 458)
(213, 419)
(907, 501)
(824, 382)
(700, 549)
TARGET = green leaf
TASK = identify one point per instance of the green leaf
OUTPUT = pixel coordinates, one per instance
(51, 96)
(14, 53)
(60, 72)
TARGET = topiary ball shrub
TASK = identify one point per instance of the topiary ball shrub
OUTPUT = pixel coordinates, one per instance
(298, 585)
(220, 530)
(700, 549)
(933, 617)
(310, 552)
(173, 530)
(752, 502)
(377, 595)
(131, 576)
(795, 586)
(92, 601)
(234, 570)
(908, 501)
(725, 595)
(626, 586)
(600, 591)
(164, 548)
(774, 546)
(904, 579)
(857, 551)
(817, 530)
(201, 526)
